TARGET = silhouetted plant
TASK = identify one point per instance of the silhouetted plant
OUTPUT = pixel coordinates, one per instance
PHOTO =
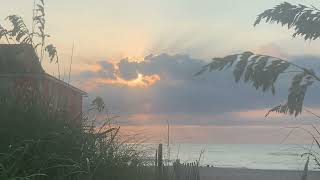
(98, 104)
(263, 71)
(20, 33)
(53, 55)
(49, 146)
(40, 22)
(4, 33)
(303, 19)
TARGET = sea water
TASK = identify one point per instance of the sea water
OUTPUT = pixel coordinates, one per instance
(252, 156)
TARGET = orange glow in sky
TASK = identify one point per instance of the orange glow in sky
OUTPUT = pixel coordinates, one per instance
(142, 81)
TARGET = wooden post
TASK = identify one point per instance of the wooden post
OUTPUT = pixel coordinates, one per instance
(156, 159)
(160, 162)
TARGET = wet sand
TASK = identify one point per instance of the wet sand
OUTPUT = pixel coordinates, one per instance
(212, 173)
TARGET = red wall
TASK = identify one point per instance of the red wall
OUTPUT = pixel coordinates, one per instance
(60, 96)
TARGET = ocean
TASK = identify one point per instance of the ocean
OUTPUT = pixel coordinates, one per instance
(251, 156)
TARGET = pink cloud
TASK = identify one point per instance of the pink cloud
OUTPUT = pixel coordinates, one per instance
(272, 50)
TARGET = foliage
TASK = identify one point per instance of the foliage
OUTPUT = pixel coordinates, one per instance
(98, 104)
(40, 143)
(304, 20)
(20, 33)
(305, 170)
(4, 33)
(40, 22)
(53, 54)
(262, 72)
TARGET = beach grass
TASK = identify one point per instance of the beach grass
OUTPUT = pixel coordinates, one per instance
(39, 143)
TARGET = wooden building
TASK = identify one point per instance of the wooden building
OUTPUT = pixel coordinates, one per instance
(21, 72)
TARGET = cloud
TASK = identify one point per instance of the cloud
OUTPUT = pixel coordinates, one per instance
(99, 69)
(141, 81)
(124, 73)
(273, 49)
(162, 87)
(128, 70)
(107, 69)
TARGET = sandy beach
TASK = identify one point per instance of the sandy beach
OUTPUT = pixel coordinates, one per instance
(212, 173)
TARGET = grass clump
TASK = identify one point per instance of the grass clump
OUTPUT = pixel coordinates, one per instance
(40, 143)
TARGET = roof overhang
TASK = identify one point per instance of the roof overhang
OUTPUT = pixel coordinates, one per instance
(48, 76)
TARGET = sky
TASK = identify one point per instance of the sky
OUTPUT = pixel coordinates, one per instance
(140, 56)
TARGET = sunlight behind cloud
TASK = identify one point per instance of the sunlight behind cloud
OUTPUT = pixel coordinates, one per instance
(142, 81)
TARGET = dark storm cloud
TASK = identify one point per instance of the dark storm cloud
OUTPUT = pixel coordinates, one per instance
(180, 93)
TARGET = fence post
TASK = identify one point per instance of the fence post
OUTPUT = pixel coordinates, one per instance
(156, 159)
(160, 162)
